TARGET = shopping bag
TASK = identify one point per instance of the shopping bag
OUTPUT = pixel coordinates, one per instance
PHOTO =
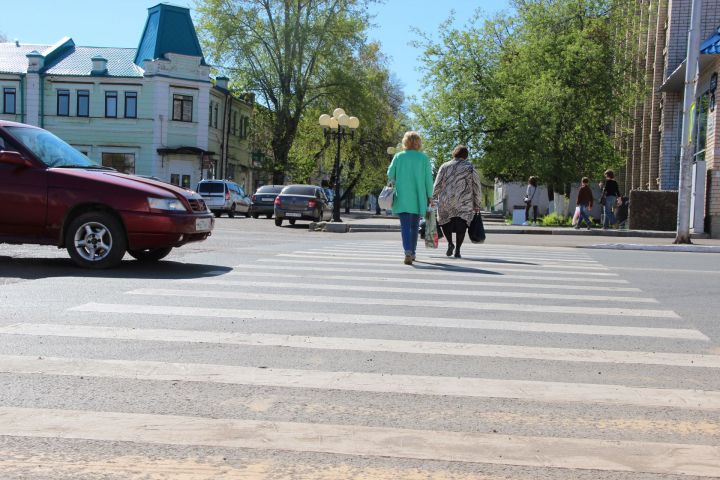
(477, 229)
(576, 217)
(431, 230)
(386, 198)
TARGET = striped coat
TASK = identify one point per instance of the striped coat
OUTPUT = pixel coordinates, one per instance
(457, 190)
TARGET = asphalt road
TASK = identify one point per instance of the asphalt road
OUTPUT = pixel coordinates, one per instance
(267, 353)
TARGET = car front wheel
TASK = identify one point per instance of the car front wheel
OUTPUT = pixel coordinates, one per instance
(255, 215)
(150, 254)
(95, 240)
(269, 216)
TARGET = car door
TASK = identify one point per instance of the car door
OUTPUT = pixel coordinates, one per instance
(23, 194)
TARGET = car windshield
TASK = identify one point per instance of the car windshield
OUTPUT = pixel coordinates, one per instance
(211, 187)
(269, 189)
(299, 190)
(52, 151)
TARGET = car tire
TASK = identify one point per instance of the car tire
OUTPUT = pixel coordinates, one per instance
(85, 231)
(231, 212)
(292, 221)
(150, 254)
(247, 214)
(269, 216)
(278, 222)
(255, 216)
(217, 214)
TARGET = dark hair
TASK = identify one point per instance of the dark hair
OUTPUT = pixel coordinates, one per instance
(460, 151)
(585, 180)
(533, 181)
(610, 174)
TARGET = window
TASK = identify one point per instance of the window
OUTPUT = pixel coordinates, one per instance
(122, 162)
(175, 179)
(130, 104)
(216, 115)
(83, 103)
(111, 104)
(234, 124)
(63, 103)
(210, 115)
(182, 108)
(185, 181)
(8, 100)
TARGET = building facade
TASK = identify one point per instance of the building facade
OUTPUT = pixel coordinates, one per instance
(650, 142)
(151, 110)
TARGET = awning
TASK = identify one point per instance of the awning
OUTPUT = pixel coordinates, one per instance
(676, 80)
(184, 151)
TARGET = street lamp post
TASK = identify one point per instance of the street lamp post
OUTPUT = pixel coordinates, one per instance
(337, 127)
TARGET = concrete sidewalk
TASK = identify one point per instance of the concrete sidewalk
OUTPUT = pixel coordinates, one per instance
(360, 221)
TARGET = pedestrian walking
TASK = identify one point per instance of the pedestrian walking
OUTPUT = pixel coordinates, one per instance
(411, 173)
(529, 197)
(585, 202)
(610, 194)
(457, 191)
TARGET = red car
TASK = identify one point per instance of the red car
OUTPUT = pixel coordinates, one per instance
(51, 194)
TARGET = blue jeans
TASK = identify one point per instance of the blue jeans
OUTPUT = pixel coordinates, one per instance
(584, 215)
(409, 226)
(608, 210)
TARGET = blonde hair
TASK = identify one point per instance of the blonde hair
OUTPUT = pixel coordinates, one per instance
(411, 141)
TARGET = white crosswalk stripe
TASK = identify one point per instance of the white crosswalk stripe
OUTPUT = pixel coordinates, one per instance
(352, 299)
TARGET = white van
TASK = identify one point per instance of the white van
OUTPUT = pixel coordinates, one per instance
(224, 196)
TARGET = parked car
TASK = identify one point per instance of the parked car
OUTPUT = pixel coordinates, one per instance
(54, 195)
(263, 200)
(302, 202)
(224, 196)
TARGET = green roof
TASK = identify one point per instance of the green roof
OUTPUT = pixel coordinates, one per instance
(168, 29)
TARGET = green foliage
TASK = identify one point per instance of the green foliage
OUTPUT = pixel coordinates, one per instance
(290, 53)
(555, 220)
(535, 93)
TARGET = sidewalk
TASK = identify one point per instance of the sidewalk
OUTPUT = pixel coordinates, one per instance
(363, 221)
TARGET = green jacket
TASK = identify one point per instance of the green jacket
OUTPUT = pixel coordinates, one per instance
(412, 174)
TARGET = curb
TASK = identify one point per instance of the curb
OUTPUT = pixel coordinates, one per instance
(655, 248)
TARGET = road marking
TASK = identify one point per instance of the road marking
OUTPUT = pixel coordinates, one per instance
(473, 255)
(450, 267)
(364, 345)
(531, 390)
(462, 261)
(472, 250)
(479, 283)
(567, 453)
(438, 274)
(419, 302)
(422, 291)
(433, 322)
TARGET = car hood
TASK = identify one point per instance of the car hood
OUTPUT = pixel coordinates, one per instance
(111, 178)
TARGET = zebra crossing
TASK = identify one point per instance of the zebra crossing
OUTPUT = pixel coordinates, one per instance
(508, 363)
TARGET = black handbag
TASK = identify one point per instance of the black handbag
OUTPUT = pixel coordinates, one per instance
(477, 229)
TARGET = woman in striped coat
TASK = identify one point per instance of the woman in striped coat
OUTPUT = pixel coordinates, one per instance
(457, 191)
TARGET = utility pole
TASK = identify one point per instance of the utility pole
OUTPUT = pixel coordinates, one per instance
(687, 147)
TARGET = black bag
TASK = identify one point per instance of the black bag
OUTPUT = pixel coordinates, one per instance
(477, 230)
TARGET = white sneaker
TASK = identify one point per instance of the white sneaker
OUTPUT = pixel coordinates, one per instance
(525, 224)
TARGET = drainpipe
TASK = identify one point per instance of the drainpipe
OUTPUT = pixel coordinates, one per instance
(226, 134)
(22, 95)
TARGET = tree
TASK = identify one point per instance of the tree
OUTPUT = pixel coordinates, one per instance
(286, 51)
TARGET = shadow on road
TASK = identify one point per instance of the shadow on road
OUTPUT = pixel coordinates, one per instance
(451, 268)
(37, 268)
(493, 260)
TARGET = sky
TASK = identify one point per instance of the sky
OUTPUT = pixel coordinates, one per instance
(119, 23)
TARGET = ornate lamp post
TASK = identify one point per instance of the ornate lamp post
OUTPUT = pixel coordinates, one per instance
(337, 127)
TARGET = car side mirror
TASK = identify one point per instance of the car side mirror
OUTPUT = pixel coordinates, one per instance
(13, 158)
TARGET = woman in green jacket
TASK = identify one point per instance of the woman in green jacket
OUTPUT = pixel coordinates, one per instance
(411, 173)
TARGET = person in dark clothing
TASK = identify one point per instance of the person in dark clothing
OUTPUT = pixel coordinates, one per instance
(610, 193)
(585, 202)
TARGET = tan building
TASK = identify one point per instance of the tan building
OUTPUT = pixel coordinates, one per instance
(652, 147)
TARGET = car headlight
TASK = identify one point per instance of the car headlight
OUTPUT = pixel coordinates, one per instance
(167, 204)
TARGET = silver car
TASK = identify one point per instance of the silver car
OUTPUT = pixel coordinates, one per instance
(224, 196)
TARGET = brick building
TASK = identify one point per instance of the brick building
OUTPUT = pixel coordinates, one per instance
(652, 146)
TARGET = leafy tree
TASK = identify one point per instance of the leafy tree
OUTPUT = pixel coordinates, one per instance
(287, 52)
